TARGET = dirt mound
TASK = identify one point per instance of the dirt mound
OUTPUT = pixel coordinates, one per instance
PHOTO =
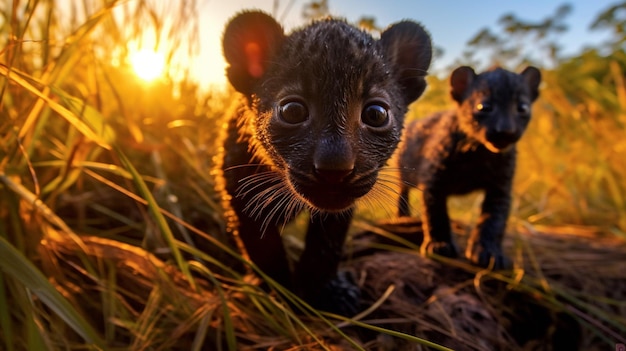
(566, 291)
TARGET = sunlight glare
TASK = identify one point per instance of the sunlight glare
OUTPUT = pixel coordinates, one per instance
(147, 64)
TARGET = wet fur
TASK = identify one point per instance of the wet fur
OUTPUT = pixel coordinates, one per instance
(272, 167)
(463, 150)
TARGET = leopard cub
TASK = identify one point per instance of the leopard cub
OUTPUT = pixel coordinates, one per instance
(472, 147)
(321, 111)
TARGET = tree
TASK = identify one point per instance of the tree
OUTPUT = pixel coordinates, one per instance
(315, 9)
(521, 42)
(614, 19)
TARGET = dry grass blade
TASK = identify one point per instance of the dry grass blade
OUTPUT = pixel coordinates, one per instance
(32, 201)
(228, 323)
(158, 216)
(22, 270)
(62, 111)
(5, 318)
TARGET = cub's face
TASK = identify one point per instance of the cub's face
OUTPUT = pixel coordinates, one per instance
(495, 106)
(330, 106)
(331, 113)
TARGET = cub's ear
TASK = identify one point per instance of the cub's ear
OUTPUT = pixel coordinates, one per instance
(250, 41)
(460, 80)
(532, 77)
(407, 45)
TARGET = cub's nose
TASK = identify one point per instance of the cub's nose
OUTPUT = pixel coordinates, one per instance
(502, 140)
(503, 132)
(333, 160)
(333, 175)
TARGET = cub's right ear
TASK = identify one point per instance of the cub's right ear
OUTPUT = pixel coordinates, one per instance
(408, 47)
(250, 41)
(460, 80)
(532, 77)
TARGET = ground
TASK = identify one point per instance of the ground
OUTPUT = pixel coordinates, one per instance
(566, 292)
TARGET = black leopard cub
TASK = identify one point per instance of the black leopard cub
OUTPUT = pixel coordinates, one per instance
(467, 149)
(321, 113)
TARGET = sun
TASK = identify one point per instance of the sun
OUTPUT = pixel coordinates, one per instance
(147, 64)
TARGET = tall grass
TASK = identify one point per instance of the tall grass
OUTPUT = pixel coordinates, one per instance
(82, 151)
(574, 154)
(110, 234)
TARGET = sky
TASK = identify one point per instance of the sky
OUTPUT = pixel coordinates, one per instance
(451, 23)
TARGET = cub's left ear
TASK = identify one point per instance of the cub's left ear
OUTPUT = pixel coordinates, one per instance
(407, 45)
(532, 77)
(461, 80)
(250, 41)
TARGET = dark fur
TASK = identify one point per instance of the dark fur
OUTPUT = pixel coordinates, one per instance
(275, 163)
(464, 150)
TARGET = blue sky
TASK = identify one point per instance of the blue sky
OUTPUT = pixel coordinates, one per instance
(451, 23)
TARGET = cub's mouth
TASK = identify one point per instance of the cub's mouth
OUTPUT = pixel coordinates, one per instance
(331, 197)
(497, 147)
(499, 143)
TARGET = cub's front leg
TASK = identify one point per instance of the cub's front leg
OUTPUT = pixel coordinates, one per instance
(315, 277)
(485, 243)
(265, 248)
(436, 223)
(250, 212)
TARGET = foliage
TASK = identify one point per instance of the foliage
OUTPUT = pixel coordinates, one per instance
(518, 41)
(614, 19)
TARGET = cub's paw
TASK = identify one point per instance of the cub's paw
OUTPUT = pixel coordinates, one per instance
(341, 296)
(484, 256)
(442, 248)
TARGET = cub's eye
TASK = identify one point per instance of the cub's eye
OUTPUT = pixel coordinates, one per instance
(375, 116)
(523, 108)
(293, 112)
(484, 107)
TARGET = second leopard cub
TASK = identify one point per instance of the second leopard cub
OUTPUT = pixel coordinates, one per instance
(467, 149)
